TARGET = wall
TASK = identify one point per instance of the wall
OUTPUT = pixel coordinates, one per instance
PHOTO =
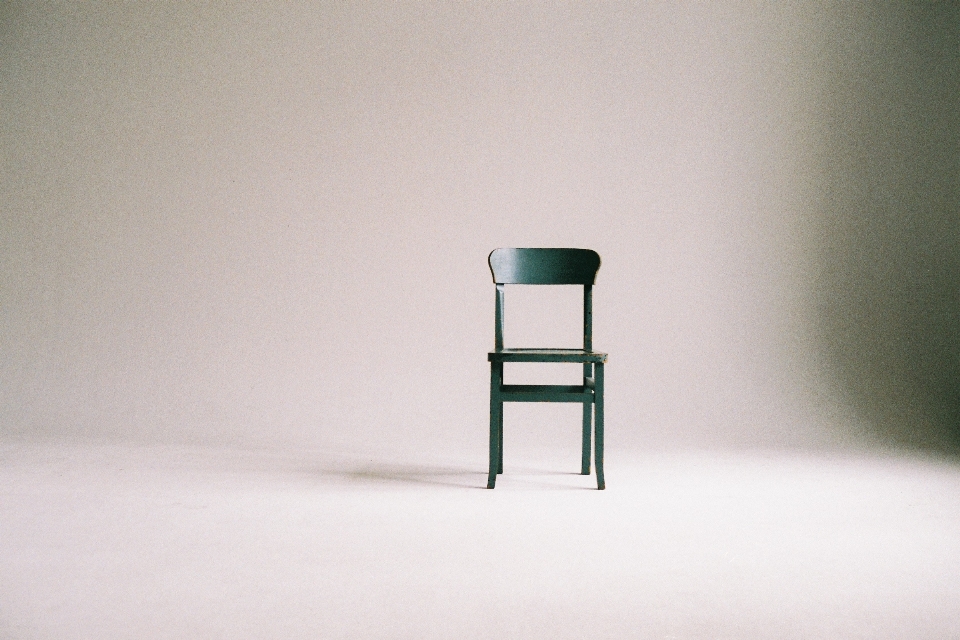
(258, 225)
(888, 294)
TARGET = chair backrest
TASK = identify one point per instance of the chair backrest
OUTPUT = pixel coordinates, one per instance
(545, 266)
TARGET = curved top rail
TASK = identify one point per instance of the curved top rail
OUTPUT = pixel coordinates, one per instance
(544, 266)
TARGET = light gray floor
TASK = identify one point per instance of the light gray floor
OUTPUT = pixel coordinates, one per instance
(179, 543)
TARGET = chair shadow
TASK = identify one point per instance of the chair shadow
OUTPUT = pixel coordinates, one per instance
(457, 477)
(355, 469)
(416, 474)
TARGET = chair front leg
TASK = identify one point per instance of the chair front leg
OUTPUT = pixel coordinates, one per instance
(598, 422)
(496, 423)
(500, 429)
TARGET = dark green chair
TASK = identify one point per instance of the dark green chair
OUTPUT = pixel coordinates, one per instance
(547, 266)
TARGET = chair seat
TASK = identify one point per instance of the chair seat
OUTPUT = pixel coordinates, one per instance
(546, 355)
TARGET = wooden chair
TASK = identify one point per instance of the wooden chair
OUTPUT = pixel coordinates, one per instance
(547, 266)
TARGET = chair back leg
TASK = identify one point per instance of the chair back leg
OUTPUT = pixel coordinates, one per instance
(587, 425)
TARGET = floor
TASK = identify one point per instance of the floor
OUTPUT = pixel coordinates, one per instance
(113, 542)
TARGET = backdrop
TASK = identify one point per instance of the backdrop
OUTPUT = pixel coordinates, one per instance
(267, 226)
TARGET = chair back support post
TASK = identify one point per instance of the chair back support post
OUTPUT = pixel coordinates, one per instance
(498, 340)
(587, 332)
(588, 317)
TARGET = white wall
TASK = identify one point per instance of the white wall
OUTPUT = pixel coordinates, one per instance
(263, 225)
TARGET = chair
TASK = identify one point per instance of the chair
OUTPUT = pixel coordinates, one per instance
(544, 267)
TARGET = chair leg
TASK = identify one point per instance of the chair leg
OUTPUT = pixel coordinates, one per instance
(587, 428)
(598, 423)
(500, 431)
(587, 424)
(496, 414)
